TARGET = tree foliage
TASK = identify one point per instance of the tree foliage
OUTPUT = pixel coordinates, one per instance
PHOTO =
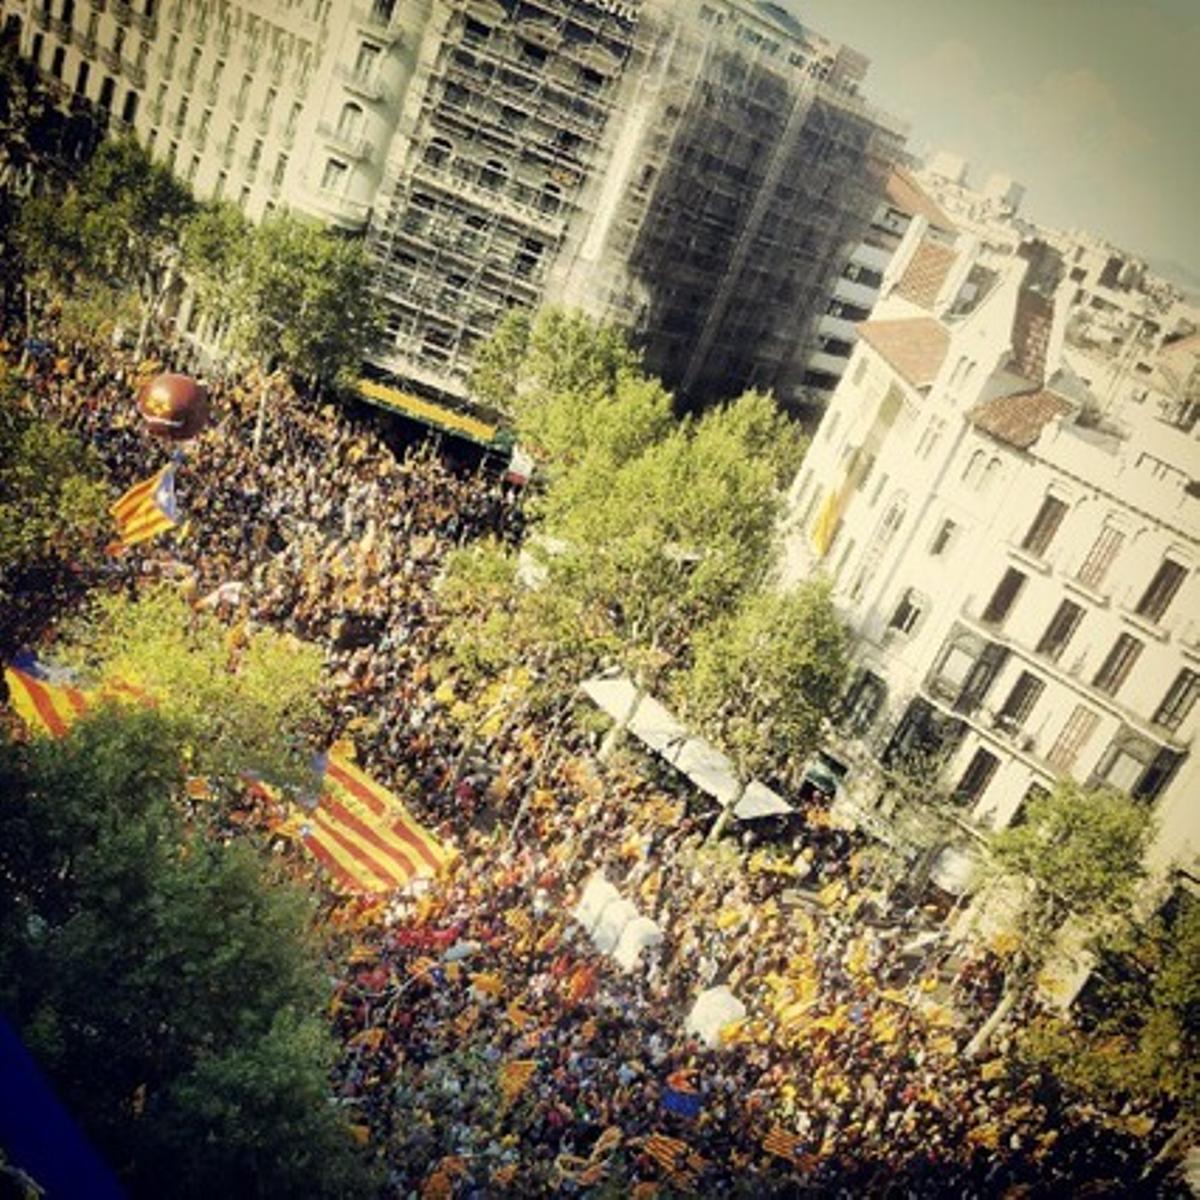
(51, 497)
(292, 294)
(1140, 1034)
(673, 536)
(170, 990)
(1079, 850)
(572, 388)
(765, 678)
(243, 696)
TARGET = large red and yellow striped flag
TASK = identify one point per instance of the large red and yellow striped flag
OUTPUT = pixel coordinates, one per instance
(45, 707)
(48, 704)
(364, 836)
(147, 509)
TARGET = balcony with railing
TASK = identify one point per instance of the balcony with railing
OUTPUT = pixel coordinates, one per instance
(148, 24)
(198, 136)
(86, 43)
(351, 145)
(366, 84)
(42, 18)
(110, 58)
(376, 19)
(123, 12)
(134, 72)
(61, 27)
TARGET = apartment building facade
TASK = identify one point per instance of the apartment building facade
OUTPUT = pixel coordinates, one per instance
(857, 287)
(1019, 567)
(696, 172)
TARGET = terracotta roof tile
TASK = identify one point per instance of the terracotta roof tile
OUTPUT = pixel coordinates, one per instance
(926, 272)
(915, 347)
(906, 194)
(1018, 420)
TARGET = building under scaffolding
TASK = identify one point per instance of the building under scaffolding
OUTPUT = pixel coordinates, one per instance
(693, 172)
(696, 171)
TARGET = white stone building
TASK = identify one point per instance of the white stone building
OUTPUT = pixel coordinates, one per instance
(1020, 570)
(695, 172)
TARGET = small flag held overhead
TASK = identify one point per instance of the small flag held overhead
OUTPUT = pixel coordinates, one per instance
(145, 510)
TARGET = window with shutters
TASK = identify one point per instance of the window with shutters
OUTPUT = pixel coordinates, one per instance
(1178, 702)
(1060, 630)
(943, 539)
(1100, 557)
(976, 777)
(1045, 526)
(1020, 701)
(1004, 597)
(908, 612)
(1158, 596)
(1079, 727)
(1117, 665)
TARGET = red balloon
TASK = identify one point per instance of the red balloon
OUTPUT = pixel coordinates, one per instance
(174, 407)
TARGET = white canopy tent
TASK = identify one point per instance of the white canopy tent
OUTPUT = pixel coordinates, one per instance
(640, 935)
(654, 725)
(713, 1010)
(614, 923)
(597, 894)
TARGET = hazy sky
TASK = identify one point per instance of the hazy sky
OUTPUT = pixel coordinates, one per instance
(1094, 105)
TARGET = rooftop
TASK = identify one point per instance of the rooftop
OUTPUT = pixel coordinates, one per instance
(1018, 419)
(906, 194)
(916, 347)
(926, 273)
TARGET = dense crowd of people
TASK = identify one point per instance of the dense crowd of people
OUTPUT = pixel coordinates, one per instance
(489, 1046)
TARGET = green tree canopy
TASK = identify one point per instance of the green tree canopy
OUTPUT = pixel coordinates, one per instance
(1077, 855)
(52, 500)
(1078, 850)
(674, 536)
(765, 679)
(169, 988)
(571, 387)
(292, 294)
(244, 697)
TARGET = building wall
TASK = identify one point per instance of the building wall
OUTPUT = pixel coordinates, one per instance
(694, 172)
(1092, 709)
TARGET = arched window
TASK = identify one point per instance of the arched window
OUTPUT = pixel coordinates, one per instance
(350, 121)
(973, 473)
(438, 152)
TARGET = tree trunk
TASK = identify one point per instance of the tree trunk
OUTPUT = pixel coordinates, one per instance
(726, 812)
(260, 422)
(984, 1033)
(613, 738)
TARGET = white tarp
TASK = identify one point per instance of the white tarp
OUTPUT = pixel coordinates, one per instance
(598, 893)
(639, 935)
(705, 765)
(712, 1011)
(612, 922)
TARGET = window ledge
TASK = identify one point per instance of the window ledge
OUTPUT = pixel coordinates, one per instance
(1090, 594)
(1032, 561)
(1149, 628)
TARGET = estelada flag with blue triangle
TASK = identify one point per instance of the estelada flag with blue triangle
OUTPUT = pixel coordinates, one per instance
(50, 699)
(145, 510)
(362, 834)
(680, 1096)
